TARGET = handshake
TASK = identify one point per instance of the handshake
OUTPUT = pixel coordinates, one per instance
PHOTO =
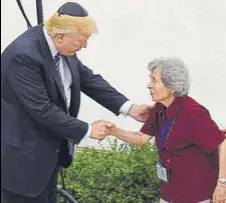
(101, 129)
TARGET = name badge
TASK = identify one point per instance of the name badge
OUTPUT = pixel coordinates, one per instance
(161, 172)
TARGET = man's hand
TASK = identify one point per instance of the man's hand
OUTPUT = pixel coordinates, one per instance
(100, 129)
(219, 195)
(140, 112)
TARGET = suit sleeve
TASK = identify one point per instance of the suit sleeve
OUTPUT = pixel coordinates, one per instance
(25, 77)
(94, 86)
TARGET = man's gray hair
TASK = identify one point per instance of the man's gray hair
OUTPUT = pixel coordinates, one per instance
(174, 74)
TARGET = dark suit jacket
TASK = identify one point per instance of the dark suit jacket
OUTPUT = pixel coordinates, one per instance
(35, 125)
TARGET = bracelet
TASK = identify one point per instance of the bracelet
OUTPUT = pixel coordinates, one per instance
(222, 180)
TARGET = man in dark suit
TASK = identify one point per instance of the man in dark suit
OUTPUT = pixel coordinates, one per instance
(41, 83)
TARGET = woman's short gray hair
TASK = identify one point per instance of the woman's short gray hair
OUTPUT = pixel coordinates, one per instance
(174, 74)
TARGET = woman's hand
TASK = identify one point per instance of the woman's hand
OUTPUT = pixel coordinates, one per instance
(219, 195)
(112, 130)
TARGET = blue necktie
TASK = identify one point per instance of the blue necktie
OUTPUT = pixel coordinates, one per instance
(56, 61)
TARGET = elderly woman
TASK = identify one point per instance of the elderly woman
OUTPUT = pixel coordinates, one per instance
(187, 138)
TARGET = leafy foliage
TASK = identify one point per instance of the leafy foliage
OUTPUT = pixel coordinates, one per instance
(124, 174)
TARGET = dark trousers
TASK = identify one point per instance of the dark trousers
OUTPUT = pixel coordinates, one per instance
(48, 195)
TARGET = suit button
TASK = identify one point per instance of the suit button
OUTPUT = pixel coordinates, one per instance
(57, 150)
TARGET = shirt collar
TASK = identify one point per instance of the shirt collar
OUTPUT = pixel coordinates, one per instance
(171, 110)
(52, 47)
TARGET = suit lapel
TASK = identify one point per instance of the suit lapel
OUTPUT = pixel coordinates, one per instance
(48, 60)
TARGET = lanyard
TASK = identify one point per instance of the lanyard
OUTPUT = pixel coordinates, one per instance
(166, 129)
(164, 132)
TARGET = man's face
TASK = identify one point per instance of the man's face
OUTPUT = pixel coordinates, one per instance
(68, 44)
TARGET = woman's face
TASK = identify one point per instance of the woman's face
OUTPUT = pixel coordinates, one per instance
(158, 91)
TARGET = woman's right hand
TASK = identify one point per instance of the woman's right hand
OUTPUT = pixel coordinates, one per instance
(112, 130)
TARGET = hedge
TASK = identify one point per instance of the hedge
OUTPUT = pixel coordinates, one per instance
(124, 174)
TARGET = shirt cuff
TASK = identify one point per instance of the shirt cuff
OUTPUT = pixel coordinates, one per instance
(87, 135)
(125, 108)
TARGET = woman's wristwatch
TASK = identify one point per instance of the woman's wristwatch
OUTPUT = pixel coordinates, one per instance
(222, 180)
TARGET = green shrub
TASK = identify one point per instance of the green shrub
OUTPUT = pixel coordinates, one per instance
(124, 174)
